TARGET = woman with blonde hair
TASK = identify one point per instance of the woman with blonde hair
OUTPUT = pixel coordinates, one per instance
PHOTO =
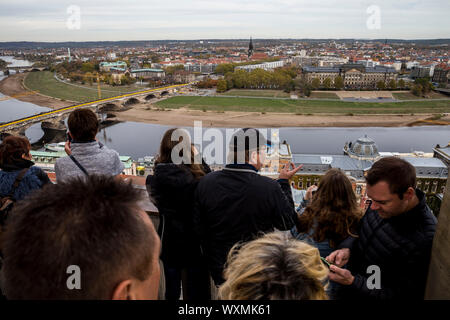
(274, 267)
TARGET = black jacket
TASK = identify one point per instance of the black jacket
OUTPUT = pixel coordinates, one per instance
(172, 188)
(237, 204)
(400, 246)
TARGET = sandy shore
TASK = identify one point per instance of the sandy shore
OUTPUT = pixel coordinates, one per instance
(184, 117)
(12, 86)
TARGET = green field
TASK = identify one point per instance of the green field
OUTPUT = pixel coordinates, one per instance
(303, 106)
(46, 84)
(257, 93)
(409, 96)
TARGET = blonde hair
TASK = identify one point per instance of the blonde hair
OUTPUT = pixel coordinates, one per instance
(274, 267)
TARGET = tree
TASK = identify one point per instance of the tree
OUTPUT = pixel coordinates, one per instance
(315, 84)
(392, 84)
(303, 87)
(222, 85)
(381, 85)
(3, 64)
(401, 83)
(338, 83)
(172, 69)
(327, 83)
(427, 86)
(87, 67)
(224, 68)
(417, 90)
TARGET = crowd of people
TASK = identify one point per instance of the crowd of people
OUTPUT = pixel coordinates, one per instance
(231, 234)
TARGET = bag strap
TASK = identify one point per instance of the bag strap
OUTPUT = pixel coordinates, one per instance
(79, 165)
(17, 182)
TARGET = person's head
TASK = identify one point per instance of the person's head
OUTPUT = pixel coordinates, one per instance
(391, 183)
(94, 224)
(248, 145)
(83, 125)
(176, 147)
(13, 149)
(333, 211)
(274, 267)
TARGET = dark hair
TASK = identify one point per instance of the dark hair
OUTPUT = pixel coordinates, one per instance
(397, 173)
(333, 211)
(93, 223)
(12, 148)
(165, 153)
(83, 125)
(243, 142)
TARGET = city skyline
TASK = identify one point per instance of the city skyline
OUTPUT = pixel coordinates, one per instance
(51, 21)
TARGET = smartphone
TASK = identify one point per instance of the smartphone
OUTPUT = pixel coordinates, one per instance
(328, 264)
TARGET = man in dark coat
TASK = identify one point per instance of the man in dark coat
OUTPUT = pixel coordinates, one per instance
(390, 258)
(237, 204)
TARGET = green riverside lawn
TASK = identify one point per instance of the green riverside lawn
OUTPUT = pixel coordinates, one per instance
(46, 84)
(303, 106)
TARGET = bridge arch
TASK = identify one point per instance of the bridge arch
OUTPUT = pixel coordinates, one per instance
(131, 101)
(150, 96)
(109, 106)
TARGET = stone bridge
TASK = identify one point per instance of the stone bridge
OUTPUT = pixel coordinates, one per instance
(56, 117)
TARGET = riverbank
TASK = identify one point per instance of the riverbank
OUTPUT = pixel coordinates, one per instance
(12, 86)
(148, 113)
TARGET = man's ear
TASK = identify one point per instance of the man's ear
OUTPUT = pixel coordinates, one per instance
(409, 194)
(123, 291)
(253, 157)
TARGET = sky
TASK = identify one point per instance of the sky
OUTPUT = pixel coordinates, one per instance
(113, 20)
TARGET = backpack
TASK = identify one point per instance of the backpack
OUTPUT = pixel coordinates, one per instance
(7, 202)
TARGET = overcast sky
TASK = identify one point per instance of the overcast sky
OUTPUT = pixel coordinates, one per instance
(44, 20)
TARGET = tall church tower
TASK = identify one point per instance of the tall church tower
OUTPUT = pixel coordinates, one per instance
(250, 48)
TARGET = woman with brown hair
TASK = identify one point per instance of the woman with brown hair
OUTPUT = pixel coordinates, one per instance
(178, 168)
(329, 215)
(16, 165)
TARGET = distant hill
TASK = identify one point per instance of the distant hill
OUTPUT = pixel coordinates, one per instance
(143, 43)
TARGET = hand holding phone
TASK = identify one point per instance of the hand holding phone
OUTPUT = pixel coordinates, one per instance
(328, 264)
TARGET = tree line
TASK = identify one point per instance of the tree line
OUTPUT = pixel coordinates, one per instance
(280, 78)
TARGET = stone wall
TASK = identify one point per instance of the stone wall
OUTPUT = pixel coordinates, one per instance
(438, 284)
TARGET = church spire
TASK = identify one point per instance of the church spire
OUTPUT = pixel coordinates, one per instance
(250, 48)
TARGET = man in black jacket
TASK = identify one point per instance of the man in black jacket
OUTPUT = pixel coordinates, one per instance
(390, 258)
(237, 204)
